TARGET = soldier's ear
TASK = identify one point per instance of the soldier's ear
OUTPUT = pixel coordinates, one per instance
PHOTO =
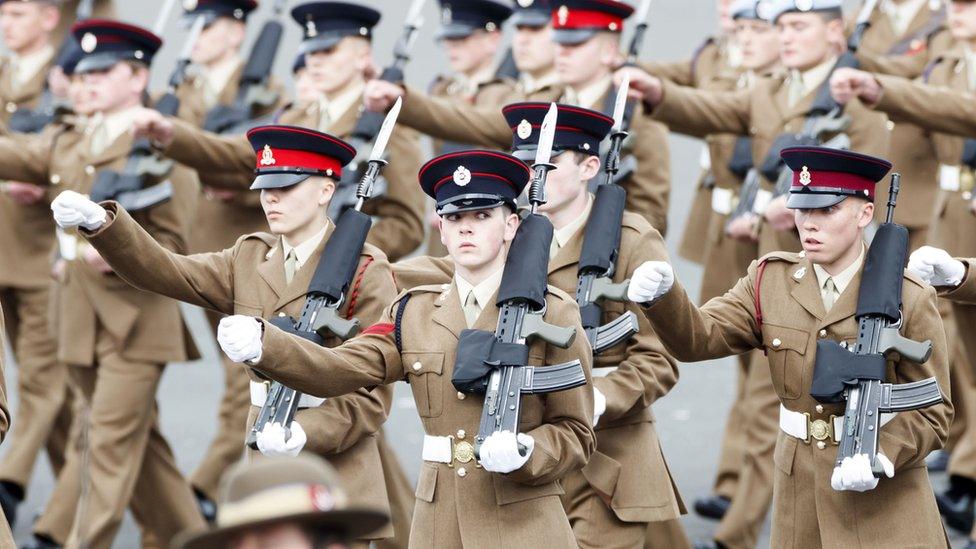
(866, 214)
(50, 17)
(326, 190)
(512, 221)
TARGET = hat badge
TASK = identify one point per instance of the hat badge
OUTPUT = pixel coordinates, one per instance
(562, 15)
(524, 129)
(310, 30)
(447, 15)
(804, 5)
(805, 177)
(89, 42)
(189, 5)
(267, 156)
(525, 3)
(462, 176)
(322, 499)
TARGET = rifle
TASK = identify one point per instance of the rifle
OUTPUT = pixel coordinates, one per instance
(333, 276)
(507, 68)
(128, 186)
(26, 120)
(499, 361)
(637, 40)
(601, 248)
(863, 23)
(857, 373)
(254, 92)
(369, 123)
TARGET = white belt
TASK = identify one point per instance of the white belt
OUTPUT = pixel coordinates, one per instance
(447, 450)
(950, 177)
(763, 198)
(798, 425)
(259, 394)
(722, 201)
(604, 372)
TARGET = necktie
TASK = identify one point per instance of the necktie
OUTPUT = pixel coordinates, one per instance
(570, 97)
(325, 119)
(796, 91)
(471, 309)
(830, 291)
(99, 136)
(553, 248)
(291, 265)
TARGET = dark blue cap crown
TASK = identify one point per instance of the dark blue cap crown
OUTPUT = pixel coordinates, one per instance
(324, 24)
(577, 129)
(460, 18)
(212, 9)
(105, 42)
(288, 155)
(532, 13)
(473, 180)
(823, 177)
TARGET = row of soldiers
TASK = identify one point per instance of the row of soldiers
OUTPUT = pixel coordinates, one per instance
(103, 355)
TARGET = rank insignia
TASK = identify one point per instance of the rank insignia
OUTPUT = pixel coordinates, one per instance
(805, 178)
(462, 176)
(524, 130)
(267, 156)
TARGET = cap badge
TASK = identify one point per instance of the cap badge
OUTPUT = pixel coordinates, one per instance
(89, 42)
(524, 129)
(462, 176)
(310, 30)
(267, 156)
(322, 499)
(189, 5)
(447, 16)
(562, 15)
(764, 9)
(525, 3)
(805, 178)
(804, 5)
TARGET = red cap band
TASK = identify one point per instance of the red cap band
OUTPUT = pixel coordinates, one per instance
(843, 180)
(565, 18)
(287, 158)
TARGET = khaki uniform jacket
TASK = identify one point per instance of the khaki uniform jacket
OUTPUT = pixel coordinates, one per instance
(809, 513)
(491, 509)
(764, 114)
(966, 291)
(628, 467)
(249, 279)
(25, 96)
(398, 230)
(492, 95)
(925, 42)
(709, 59)
(146, 327)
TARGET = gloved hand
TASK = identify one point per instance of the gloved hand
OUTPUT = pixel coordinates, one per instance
(499, 452)
(599, 405)
(650, 281)
(272, 443)
(936, 267)
(239, 337)
(854, 473)
(72, 210)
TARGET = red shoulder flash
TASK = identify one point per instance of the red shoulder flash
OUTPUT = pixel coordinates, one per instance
(384, 328)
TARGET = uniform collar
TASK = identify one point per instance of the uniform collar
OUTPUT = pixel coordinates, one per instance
(30, 65)
(564, 235)
(114, 124)
(305, 250)
(589, 96)
(843, 278)
(532, 85)
(218, 77)
(901, 14)
(340, 103)
(483, 292)
(812, 78)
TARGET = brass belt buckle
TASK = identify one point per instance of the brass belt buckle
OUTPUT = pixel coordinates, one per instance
(461, 451)
(818, 429)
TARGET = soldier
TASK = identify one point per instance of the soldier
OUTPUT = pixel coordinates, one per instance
(6, 538)
(338, 52)
(287, 504)
(115, 339)
(509, 495)
(952, 277)
(43, 414)
(269, 275)
(788, 302)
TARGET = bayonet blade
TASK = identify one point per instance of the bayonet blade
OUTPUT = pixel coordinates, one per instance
(866, 9)
(546, 136)
(414, 13)
(382, 138)
(643, 12)
(192, 38)
(163, 17)
(620, 106)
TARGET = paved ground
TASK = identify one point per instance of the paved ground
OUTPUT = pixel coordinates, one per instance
(690, 419)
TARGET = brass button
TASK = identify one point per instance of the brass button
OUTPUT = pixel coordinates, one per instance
(11, 107)
(90, 170)
(461, 434)
(281, 315)
(55, 179)
(890, 125)
(823, 334)
(461, 396)
(417, 366)
(967, 195)
(821, 445)
(777, 343)
(803, 253)
(819, 408)
(462, 472)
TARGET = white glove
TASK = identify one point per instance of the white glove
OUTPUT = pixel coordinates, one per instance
(272, 443)
(650, 281)
(72, 209)
(599, 405)
(936, 267)
(239, 337)
(499, 452)
(854, 473)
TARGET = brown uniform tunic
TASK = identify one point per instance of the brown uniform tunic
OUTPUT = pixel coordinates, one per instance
(116, 340)
(249, 279)
(460, 504)
(809, 513)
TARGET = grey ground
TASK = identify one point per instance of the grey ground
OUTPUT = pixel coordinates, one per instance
(690, 418)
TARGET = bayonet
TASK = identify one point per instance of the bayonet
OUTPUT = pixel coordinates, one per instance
(637, 41)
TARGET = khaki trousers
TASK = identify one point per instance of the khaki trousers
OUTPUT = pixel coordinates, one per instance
(401, 494)
(123, 460)
(43, 416)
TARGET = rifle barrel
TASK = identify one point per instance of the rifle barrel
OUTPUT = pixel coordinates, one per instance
(893, 196)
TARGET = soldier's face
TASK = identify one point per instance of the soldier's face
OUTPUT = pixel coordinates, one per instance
(477, 239)
(113, 89)
(305, 89)
(807, 39)
(294, 211)
(962, 20)
(78, 97)
(759, 43)
(533, 49)
(568, 182)
(466, 55)
(26, 25)
(220, 40)
(335, 69)
(830, 234)
(585, 63)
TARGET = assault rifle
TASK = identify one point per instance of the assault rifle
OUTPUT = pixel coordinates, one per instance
(128, 187)
(857, 373)
(254, 92)
(331, 281)
(601, 248)
(369, 123)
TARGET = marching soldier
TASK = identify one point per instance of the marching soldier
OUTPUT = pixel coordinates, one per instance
(511, 494)
(951, 276)
(26, 245)
(788, 302)
(299, 503)
(269, 275)
(115, 339)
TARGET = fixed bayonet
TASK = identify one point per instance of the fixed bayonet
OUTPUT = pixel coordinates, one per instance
(637, 41)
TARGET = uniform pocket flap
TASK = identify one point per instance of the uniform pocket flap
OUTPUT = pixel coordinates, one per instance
(784, 453)
(602, 472)
(423, 363)
(507, 491)
(426, 483)
(776, 338)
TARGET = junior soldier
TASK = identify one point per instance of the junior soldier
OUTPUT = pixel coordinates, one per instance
(509, 496)
(269, 275)
(115, 339)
